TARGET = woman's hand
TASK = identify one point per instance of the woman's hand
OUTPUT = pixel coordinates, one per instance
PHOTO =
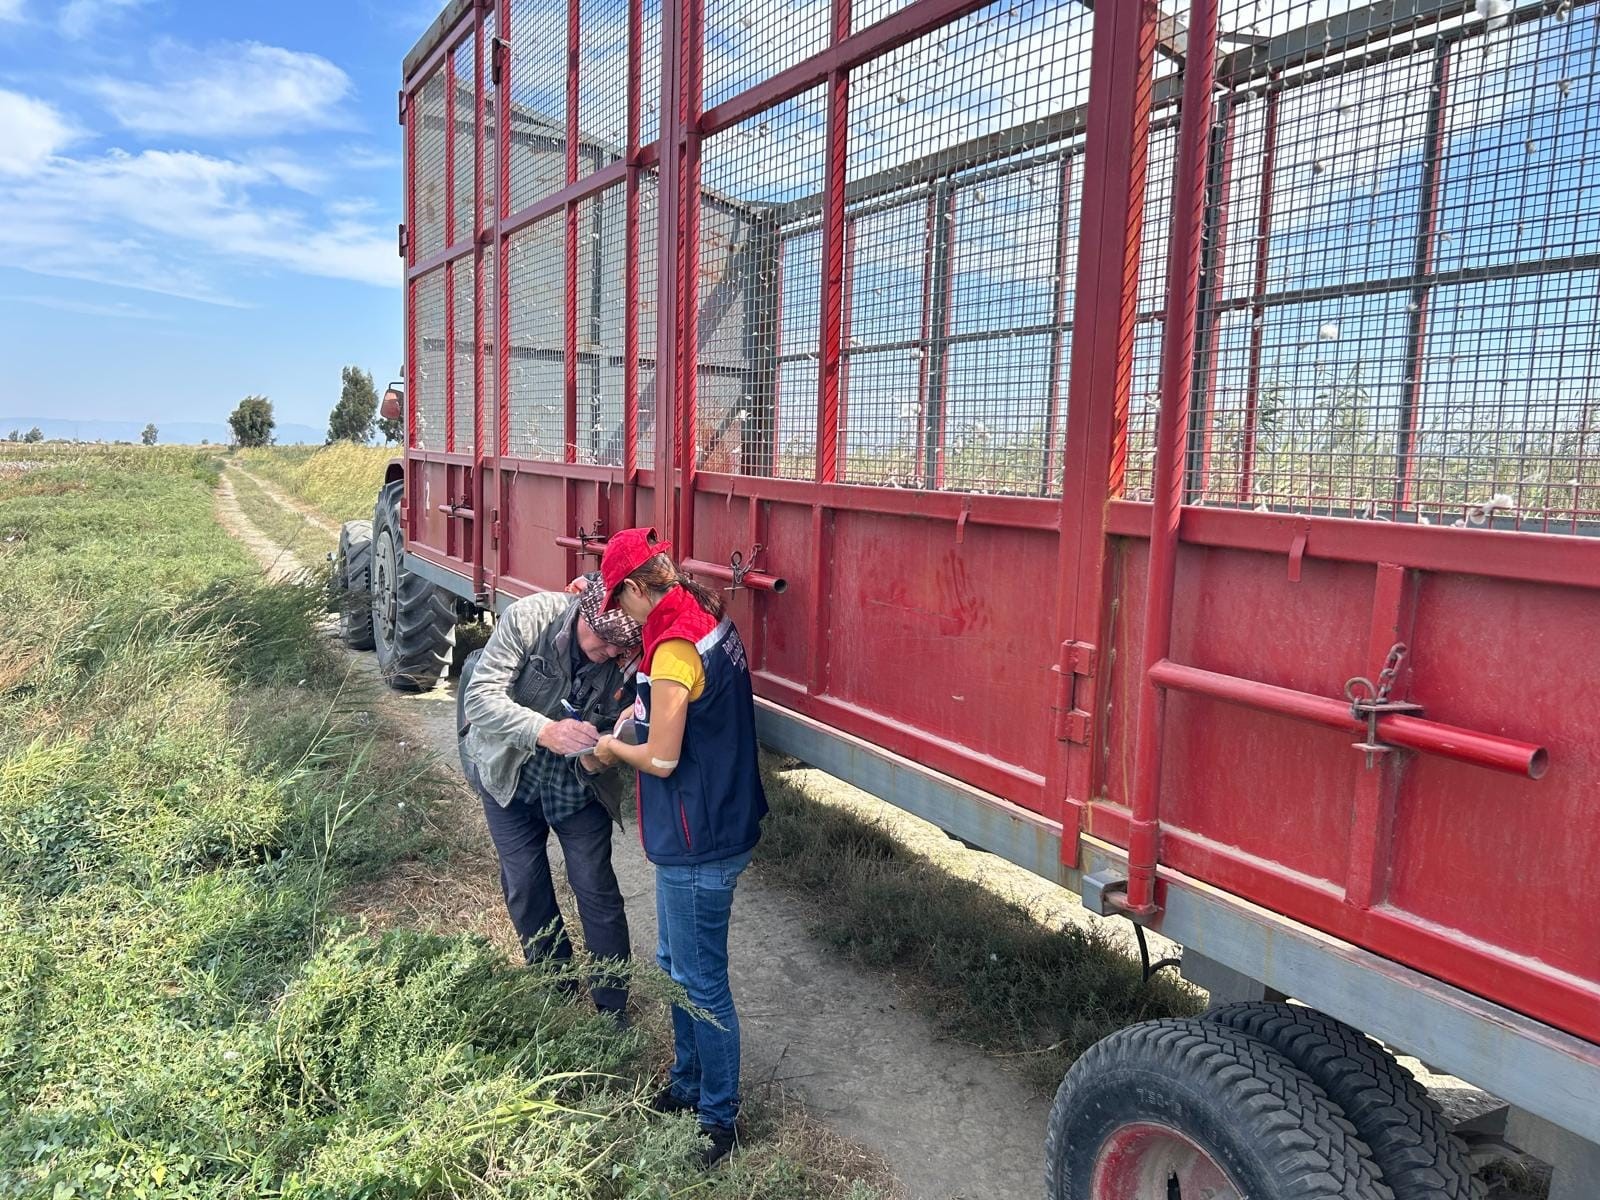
(604, 753)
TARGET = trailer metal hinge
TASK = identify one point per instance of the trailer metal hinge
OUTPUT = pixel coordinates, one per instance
(1072, 722)
(499, 51)
(402, 106)
(401, 239)
(494, 526)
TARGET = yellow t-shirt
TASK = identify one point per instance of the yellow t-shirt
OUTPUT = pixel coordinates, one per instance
(677, 659)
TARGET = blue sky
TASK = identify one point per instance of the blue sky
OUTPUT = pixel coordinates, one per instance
(198, 201)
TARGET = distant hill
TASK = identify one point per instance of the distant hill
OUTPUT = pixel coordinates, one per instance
(181, 433)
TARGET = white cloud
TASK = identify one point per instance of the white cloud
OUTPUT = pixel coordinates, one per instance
(80, 18)
(167, 221)
(10, 10)
(34, 132)
(89, 308)
(236, 89)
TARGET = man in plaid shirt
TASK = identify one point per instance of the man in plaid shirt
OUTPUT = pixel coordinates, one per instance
(556, 671)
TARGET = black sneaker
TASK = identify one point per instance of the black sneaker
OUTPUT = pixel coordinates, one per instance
(668, 1101)
(723, 1140)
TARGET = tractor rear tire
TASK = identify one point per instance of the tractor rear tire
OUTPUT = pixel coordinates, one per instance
(1182, 1108)
(1418, 1156)
(352, 584)
(413, 621)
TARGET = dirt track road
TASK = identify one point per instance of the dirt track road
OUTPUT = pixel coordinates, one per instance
(949, 1121)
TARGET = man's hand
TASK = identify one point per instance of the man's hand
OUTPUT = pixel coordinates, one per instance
(577, 586)
(568, 737)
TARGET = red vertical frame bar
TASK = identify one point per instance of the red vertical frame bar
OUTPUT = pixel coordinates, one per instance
(940, 420)
(449, 69)
(846, 300)
(774, 449)
(925, 345)
(409, 258)
(667, 334)
(691, 103)
(1258, 308)
(485, 516)
(1377, 784)
(500, 71)
(1177, 377)
(569, 303)
(829, 329)
(630, 277)
(1105, 308)
(1058, 315)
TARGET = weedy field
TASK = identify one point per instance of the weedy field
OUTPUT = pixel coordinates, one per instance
(188, 781)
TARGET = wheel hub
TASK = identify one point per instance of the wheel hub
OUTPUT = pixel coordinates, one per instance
(385, 589)
(1148, 1161)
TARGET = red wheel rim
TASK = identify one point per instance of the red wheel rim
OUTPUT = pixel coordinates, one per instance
(1146, 1161)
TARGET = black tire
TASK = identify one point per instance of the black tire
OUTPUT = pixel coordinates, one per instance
(413, 622)
(352, 584)
(1257, 1116)
(1420, 1159)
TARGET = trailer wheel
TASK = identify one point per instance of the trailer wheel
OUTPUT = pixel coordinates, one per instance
(413, 622)
(1184, 1109)
(1420, 1159)
(352, 584)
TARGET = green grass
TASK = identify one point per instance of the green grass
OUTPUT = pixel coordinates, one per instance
(985, 969)
(187, 782)
(340, 481)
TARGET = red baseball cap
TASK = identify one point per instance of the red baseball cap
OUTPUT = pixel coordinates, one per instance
(626, 551)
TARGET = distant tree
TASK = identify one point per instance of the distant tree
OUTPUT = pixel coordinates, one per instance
(205, 441)
(34, 435)
(393, 430)
(352, 418)
(14, 436)
(148, 437)
(252, 422)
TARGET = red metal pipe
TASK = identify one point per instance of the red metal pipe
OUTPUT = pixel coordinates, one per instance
(1413, 733)
(594, 546)
(1183, 263)
(757, 580)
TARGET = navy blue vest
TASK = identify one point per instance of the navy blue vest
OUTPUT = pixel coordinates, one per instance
(711, 806)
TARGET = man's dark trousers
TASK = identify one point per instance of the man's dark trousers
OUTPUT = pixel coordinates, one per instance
(521, 835)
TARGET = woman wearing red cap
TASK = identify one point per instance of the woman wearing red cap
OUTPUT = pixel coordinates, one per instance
(700, 806)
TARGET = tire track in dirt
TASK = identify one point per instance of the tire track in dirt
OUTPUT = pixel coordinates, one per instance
(950, 1121)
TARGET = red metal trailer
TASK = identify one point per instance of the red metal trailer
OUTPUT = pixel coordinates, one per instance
(1161, 447)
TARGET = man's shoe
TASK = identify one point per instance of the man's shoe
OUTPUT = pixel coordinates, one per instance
(723, 1140)
(668, 1101)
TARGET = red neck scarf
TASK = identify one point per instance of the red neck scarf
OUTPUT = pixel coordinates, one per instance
(678, 615)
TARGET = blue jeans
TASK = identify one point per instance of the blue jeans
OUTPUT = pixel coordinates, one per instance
(521, 833)
(693, 906)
